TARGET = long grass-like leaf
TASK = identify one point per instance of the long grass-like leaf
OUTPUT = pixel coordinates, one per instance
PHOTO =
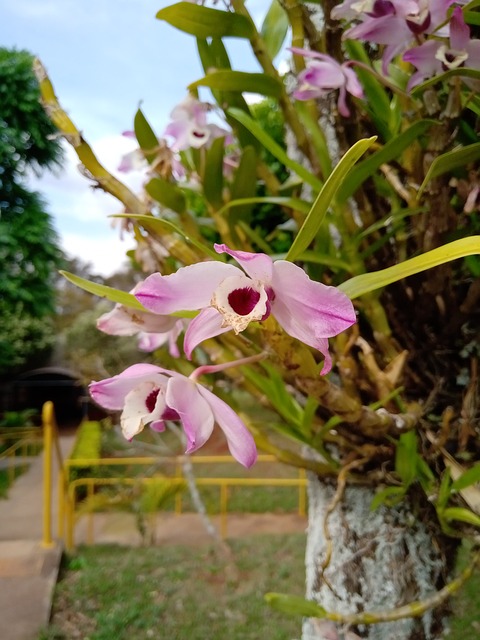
(274, 148)
(102, 291)
(324, 199)
(367, 282)
(204, 22)
(449, 161)
(160, 225)
(390, 151)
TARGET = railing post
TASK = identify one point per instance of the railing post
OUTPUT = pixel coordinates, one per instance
(61, 503)
(178, 495)
(47, 420)
(302, 494)
(223, 509)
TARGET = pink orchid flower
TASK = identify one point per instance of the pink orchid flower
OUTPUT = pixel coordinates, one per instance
(394, 23)
(149, 342)
(324, 74)
(434, 57)
(125, 321)
(230, 298)
(189, 127)
(153, 330)
(166, 161)
(149, 395)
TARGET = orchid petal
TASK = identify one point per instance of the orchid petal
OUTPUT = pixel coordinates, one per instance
(322, 74)
(239, 439)
(132, 161)
(316, 307)
(149, 342)
(423, 58)
(306, 53)
(343, 110)
(189, 288)
(257, 265)
(473, 50)
(352, 84)
(459, 31)
(135, 414)
(110, 393)
(308, 310)
(122, 321)
(207, 324)
(194, 410)
(389, 29)
(306, 92)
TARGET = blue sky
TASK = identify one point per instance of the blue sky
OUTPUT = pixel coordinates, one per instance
(104, 57)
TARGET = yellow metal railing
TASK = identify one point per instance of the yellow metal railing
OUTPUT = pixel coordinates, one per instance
(51, 446)
(69, 508)
(28, 442)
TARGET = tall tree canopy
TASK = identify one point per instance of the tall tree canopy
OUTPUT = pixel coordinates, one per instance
(29, 250)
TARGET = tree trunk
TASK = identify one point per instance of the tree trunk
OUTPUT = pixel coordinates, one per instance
(380, 560)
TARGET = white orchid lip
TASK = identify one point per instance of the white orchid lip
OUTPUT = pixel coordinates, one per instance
(143, 404)
(451, 59)
(240, 301)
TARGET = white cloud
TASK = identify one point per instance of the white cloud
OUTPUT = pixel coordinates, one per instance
(106, 252)
(81, 212)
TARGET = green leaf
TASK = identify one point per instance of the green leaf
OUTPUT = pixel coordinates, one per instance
(167, 194)
(449, 161)
(469, 477)
(295, 605)
(239, 81)
(451, 73)
(316, 135)
(274, 148)
(406, 457)
(245, 183)
(472, 17)
(424, 474)
(213, 55)
(273, 386)
(291, 203)
(444, 490)
(366, 282)
(213, 176)
(392, 219)
(159, 225)
(102, 291)
(204, 22)
(389, 496)
(392, 150)
(324, 199)
(377, 99)
(144, 133)
(462, 515)
(274, 28)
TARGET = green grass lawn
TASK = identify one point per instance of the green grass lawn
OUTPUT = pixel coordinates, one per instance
(179, 593)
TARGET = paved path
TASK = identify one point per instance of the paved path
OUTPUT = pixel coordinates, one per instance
(28, 571)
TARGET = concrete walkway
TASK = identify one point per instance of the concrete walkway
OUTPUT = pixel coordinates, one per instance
(28, 571)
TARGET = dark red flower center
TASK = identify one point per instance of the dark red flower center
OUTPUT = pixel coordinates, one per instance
(419, 27)
(198, 134)
(243, 301)
(382, 8)
(151, 399)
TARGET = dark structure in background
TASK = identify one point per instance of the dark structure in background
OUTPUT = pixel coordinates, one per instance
(31, 389)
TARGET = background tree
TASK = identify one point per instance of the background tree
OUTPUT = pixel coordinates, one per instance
(29, 250)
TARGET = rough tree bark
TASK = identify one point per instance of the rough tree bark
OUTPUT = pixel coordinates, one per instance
(379, 560)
